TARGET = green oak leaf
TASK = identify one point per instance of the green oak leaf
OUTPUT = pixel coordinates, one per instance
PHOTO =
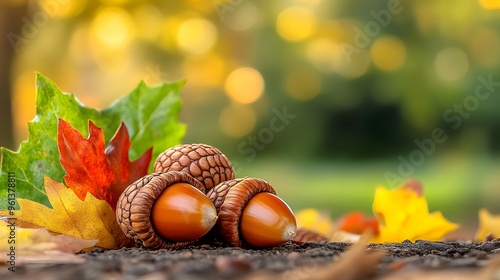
(150, 114)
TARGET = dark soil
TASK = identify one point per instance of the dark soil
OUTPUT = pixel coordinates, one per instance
(210, 262)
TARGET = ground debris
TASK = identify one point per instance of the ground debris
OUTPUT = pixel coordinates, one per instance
(356, 263)
(310, 260)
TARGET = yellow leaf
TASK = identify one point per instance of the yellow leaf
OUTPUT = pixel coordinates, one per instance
(88, 219)
(488, 224)
(38, 245)
(312, 219)
(40, 238)
(403, 214)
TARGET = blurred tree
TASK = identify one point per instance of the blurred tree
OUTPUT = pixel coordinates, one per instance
(11, 14)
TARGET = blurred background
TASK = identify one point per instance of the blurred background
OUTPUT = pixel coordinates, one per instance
(324, 99)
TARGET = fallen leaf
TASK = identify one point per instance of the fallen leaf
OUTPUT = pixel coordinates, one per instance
(307, 235)
(40, 239)
(88, 219)
(344, 236)
(312, 219)
(357, 223)
(105, 173)
(39, 246)
(403, 214)
(151, 115)
(489, 224)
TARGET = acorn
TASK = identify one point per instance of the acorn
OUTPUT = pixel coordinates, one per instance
(165, 211)
(205, 163)
(250, 213)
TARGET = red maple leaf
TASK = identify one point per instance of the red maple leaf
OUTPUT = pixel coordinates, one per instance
(90, 167)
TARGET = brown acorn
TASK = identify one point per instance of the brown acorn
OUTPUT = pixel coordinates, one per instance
(250, 213)
(165, 211)
(205, 163)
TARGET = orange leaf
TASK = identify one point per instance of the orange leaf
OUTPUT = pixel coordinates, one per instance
(105, 173)
(356, 222)
(90, 219)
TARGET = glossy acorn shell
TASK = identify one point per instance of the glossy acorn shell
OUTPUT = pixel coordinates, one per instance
(267, 221)
(205, 163)
(230, 199)
(133, 210)
(183, 213)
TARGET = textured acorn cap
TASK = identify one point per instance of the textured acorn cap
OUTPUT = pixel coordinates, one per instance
(205, 163)
(133, 210)
(230, 198)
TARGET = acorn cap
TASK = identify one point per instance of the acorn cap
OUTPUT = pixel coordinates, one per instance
(230, 198)
(204, 162)
(133, 210)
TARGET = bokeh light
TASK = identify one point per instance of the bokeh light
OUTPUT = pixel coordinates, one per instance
(202, 71)
(112, 29)
(201, 6)
(490, 4)
(116, 2)
(62, 9)
(169, 31)
(23, 103)
(244, 85)
(296, 23)
(237, 120)
(243, 17)
(451, 64)
(323, 53)
(148, 19)
(77, 47)
(388, 53)
(355, 66)
(196, 35)
(327, 55)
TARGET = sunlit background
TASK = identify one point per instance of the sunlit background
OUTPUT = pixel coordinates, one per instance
(321, 98)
